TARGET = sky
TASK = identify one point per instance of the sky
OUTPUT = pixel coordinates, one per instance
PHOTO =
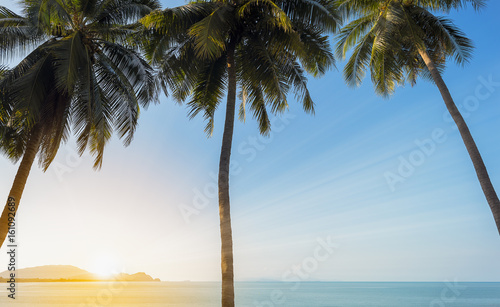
(367, 189)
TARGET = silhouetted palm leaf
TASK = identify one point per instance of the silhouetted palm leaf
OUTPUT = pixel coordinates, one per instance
(78, 75)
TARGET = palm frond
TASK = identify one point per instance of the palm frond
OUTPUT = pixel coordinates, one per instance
(55, 130)
(446, 35)
(387, 39)
(351, 33)
(317, 57)
(121, 96)
(45, 14)
(276, 17)
(27, 85)
(122, 12)
(259, 65)
(321, 14)
(210, 33)
(354, 70)
(137, 71)
(16, 34)
(208, 91)
(72, 58)
(296, 77)
(257, 103)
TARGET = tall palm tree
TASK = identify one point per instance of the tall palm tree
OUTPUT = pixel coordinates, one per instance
(207, 48)
(78, 76)
(400, 40)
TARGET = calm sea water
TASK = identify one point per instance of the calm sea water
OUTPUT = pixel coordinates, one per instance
(255, 294)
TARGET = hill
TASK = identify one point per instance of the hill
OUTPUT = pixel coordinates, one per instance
(47, 272)
(69, 273)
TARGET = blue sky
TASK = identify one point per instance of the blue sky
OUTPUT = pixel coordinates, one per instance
(316, 177)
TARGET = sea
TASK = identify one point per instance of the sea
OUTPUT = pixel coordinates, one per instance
(254, 294)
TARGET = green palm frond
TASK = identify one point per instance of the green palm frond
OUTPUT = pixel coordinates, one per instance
(72, 57)
(276, 18)
(100, 131)
(351, 33)
(242, 109)
(178, 71)
(386, 72)
(446, 5)
(13, 132)
(16, 32)
(317, 57)
(92, 116)
(210, 33)
(276, 43)
(122, 12)
(44, 15)
(354, 70)
(121, 96)
(296, 77)
(57, 130)
(170, 68)
(14, 135)
(357, 8)
(401, 24)
(87, 7)
(136, 70)
(174, 21)
(29, 83)
(259, 65)
(447, 35)
(321, 14)
(208, 91)
(257, 103)
(388, 37)
(78, 76)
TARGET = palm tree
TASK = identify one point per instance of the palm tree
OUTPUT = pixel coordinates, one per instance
(77, 77)
(398, 41)
(206, 48)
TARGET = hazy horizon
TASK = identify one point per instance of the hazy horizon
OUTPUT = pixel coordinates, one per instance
(311, 202)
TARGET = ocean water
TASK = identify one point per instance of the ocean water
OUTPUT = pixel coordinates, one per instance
(255, 294)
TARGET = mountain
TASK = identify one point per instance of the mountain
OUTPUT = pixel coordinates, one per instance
(47, 272)
(70, 273)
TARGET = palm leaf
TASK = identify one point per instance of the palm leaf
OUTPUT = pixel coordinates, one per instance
(210, 33)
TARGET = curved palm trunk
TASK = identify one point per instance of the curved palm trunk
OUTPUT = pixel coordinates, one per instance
(20, 181)
(481, 172)
(224, 207)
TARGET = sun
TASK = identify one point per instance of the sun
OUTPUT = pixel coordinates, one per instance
(105, 264)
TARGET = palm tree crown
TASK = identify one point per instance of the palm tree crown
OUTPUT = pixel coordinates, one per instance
(387, 36)
(77, 77)
(274, 44)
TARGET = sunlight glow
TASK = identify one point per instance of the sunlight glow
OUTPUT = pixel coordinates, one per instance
(104, 265)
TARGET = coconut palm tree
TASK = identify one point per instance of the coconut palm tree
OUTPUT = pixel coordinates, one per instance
(77, 77)
(206, 49)
(400, 40)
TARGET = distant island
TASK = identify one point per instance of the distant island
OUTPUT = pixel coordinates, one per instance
(69, 273)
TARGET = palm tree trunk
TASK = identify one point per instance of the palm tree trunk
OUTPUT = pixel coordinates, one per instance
(20, 180)
(224, 207)
(477, 161)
